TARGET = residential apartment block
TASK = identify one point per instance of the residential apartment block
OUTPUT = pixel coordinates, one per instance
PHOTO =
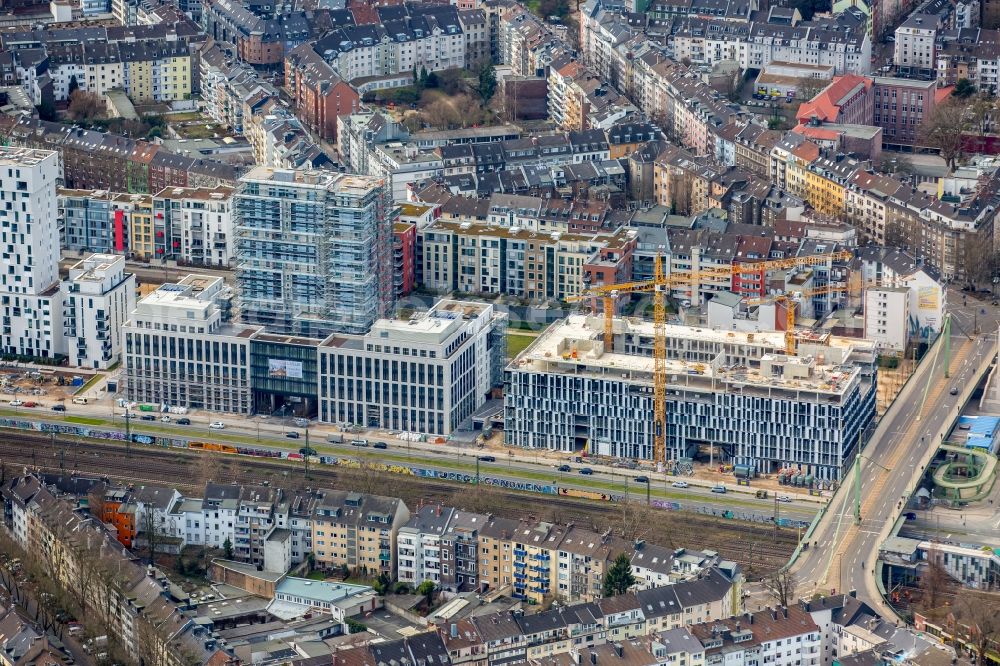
(134, 604)
(98, 297)
(540, 265)
(317, 266)
(194, 225)
(357, 531)
(406, 38)
(103, 161)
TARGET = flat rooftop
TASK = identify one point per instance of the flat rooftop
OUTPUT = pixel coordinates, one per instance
(339, 183)
(96, 266)
(320, 590)
(11, 156)
(575, 346)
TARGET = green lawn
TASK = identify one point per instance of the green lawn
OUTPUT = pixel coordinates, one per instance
(83, 420)
(185, 116)
(517, 343)
(90, 382)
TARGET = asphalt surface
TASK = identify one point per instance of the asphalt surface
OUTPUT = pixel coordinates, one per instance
(842, 555)
(698, 496)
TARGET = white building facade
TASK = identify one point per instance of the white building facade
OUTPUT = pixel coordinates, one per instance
(30, 302)
(424, 375)
(98, 297)
(201, 223)
(178, 351)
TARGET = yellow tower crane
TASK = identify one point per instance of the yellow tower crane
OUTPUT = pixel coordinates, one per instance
(660, 286)
(854, 285)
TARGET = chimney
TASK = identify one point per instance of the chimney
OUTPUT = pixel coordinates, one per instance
(749, 617)
(784, 611)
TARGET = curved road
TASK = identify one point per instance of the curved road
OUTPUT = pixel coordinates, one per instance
(843, 555)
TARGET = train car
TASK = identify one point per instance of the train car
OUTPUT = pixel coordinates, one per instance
(295, 456)
(589, 494)
(212, 446)
(257, 452)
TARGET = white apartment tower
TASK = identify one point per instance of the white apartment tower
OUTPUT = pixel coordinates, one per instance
(29, 236)
(97, 298)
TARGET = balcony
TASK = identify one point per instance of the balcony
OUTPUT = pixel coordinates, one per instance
(520, 552)
(541, 557)
(520, 565)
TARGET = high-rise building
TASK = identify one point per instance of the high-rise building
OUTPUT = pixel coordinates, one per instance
(313, 251)
(30, 302)
(98, 297)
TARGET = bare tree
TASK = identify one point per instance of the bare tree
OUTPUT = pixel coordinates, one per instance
(84, 106)
(945, 129)
(935, 580)
(209, 469)
(977, 616)
(153, 532)
(95, 500)
(781, 585)
(807, 87)
(635, 520)
(479, 498)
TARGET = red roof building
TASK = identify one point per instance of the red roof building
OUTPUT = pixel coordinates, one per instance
(847, 100)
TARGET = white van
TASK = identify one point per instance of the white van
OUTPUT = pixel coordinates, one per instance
(79, 401)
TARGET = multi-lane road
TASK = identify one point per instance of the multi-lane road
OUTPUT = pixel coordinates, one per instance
(510, 465)
(842, 555)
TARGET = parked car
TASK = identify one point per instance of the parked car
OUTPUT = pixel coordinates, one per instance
(292, 435)
(380, 445)
(784, 498)
(184, 421)
(910, 515)
(165, 418)
(680, 484)
(487, 458)
(642, 479)
(564, 468)
(16, 403)
(31, 403)
(58, 408)
(217, 425)
(148, 417)
(719, 489)
(586, 471)
(359, 442)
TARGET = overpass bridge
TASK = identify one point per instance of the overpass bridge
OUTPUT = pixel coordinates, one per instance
(844, 550)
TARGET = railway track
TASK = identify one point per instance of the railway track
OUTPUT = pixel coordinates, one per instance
(758, 548)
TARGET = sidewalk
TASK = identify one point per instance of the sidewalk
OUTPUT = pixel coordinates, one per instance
(102, 411)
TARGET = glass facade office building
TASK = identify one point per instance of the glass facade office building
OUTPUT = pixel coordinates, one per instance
(314, 251)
